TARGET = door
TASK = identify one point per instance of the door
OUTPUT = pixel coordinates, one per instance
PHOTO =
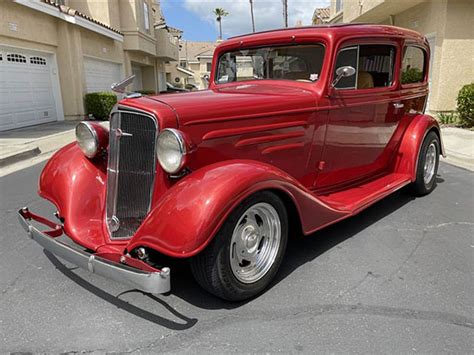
(138, 80)
(27, 88)
(101, 74)
(364, 112)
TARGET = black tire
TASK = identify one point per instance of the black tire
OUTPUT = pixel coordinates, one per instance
(419, 186)
(212, 267)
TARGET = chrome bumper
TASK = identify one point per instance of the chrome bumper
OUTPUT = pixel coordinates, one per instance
(146, 281)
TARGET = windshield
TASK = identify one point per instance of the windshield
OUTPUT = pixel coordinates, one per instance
(297, 62)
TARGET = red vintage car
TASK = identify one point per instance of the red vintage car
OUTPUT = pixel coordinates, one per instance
(300, 128)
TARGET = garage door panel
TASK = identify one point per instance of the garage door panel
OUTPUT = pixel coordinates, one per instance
(6, 120)
(27, 88)
(100, 75)
(42, 97)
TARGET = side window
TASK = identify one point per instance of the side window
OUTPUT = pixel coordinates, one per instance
(374, 65)
(413, 65)
(347, 57)
(146, 17)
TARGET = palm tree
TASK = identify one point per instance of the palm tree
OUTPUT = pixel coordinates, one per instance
(251, 14)
(220, 13)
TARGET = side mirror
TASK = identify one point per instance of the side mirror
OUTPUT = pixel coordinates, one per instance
(343, 72)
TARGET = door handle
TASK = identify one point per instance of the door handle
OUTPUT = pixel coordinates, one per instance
(398, 106)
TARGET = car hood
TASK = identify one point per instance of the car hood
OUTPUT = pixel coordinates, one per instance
(206, 106)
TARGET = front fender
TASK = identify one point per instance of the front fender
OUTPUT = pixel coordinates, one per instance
(406, 160)
(76, 186)
(189, 214)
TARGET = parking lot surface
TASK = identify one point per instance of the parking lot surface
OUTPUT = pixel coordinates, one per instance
(395, 278)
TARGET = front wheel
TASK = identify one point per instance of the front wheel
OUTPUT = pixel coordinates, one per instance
(246, 253)
(427, 168)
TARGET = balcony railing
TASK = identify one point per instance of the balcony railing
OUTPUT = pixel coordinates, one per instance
(166, 45)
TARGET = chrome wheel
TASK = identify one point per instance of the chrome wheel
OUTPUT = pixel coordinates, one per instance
(430, 164)
(255, 242)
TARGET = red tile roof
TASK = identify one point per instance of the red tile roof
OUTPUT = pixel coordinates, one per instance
(72, 12)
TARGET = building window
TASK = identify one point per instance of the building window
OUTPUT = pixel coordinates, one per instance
(17, 58)
(208, 67)
(38, 60)
(146, 17)
(413, 65)
(182, 64)
(339, 5)
(373, 64)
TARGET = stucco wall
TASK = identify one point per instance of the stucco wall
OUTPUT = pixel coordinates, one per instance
(21, 23)
(450, 22)
(95, 45)
(457, 66)
(105, 11)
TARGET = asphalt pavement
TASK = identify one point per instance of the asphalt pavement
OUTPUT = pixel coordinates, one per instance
(397, 278)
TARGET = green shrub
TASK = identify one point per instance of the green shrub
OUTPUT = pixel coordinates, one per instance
(99, 104)
(447, 117)
(465, 105)
(412, 75)
(146, 92)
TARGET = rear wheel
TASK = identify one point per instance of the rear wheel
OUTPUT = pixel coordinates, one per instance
(246, 253)
(427, 168)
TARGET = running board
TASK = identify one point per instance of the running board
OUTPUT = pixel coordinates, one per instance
(356, 198)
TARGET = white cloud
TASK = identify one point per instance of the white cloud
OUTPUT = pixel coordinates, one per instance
(268, 14)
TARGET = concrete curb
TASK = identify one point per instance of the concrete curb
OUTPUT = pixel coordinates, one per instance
(20, 156)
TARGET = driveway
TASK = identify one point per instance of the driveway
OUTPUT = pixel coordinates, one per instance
(395, 278)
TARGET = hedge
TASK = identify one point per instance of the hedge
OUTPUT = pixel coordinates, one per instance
(99, 104)
(412, 75)
(146, 92)
(465, 105)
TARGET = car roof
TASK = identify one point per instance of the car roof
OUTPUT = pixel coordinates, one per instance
(332, 30)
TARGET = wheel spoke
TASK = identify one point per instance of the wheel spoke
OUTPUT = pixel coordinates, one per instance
(255, 242)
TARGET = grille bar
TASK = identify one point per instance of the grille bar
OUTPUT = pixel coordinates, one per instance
(130, 171)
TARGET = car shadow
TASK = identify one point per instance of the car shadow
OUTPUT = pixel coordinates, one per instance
(300, 250)
(121, 304)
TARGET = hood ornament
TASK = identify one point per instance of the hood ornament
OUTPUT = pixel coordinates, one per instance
(120, 86)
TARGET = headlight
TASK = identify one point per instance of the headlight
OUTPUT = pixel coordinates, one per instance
(171, 150)
(87, 139)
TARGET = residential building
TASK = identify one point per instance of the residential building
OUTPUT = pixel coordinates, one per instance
(448, 27)
(54, 52)
(321, 15)
(194, 65)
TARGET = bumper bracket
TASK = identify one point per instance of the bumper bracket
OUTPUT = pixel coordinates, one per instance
(147, 281)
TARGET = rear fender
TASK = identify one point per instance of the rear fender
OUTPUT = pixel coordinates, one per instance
(406, 160)
(190, 213)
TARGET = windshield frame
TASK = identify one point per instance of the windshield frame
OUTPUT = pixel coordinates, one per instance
(299, 44)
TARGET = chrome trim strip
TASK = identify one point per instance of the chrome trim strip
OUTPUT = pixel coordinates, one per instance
(146, 281)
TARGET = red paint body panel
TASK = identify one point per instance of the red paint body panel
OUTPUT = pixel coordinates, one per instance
(331, 153)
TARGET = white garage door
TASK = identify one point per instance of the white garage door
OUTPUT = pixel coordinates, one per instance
(26, 88)
(100, 75)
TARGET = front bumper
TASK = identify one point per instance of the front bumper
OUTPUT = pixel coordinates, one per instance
(145, 280)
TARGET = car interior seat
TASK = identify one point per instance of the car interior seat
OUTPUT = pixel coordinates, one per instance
(364, 80)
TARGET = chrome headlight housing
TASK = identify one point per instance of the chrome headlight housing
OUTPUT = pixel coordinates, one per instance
(171, 150)
(87, 139)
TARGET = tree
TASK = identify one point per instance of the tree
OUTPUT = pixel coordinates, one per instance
(220, 13)
(251, 14)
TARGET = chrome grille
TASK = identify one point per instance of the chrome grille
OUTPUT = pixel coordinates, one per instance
(130, 171)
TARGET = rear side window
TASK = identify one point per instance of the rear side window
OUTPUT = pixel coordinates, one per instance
(374, 65)
(413, 65)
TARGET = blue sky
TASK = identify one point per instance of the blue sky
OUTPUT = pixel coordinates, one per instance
(195, 17)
